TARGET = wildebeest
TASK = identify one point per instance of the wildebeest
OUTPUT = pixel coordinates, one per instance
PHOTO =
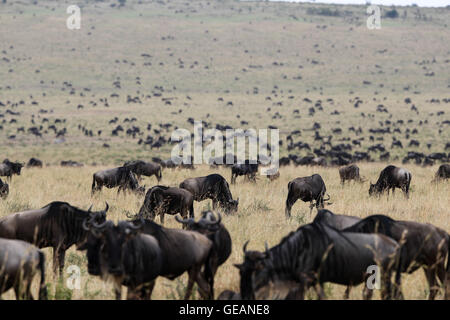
(350, 172)
(128, 254)
(57, 225)
(220, 237)
(71, 163)
(310, 188)
(214, 187)
(443, 172)
(421, 245)
(315, 254)
(148, 169)
(161, 200)
(337, 221)
(247, 169)
(34, 163)
(19, 263)
(121, 177)
(390, 178)
(4, 189)
(8, 169)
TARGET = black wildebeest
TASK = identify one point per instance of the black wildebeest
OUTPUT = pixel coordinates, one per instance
(220, 237)
(350, 172)
(147, 169)
(390, 178)
(4, 189)
(310, 189)
(337, 221)
(443, 172)
(20, 261)
(315, 254)
(214, 187)
(161, 200)
(57, 225)
(34, 163)
(119, 251)
(8, 169)
(121, 177)
(421, 245)
(247, 169)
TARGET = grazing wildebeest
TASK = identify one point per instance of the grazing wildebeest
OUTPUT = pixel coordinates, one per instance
(33, 162)
(272, 175)
(246, 169)
(8, 169)
(443, 173)
(161, 200)
(421, 245)
(214, 187)
(57, 225)
(147, 169)
(20, 261)
(310, 188)
(315, 254)
(4, 189)
(121, 177)
(71, 163)
(120, 251)
(350, 172)
(390, 178)
(220, 237)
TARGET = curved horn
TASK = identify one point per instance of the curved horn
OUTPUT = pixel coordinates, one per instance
(183, 221)
(328, 198)
(244, 248)
(99, 226)
(138, 226)
(107, 207)
(85, 224)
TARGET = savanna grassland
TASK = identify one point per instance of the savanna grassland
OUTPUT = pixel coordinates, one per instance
(260, 217)
(222, 62)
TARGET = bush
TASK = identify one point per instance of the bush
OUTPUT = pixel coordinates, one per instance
(393, 14)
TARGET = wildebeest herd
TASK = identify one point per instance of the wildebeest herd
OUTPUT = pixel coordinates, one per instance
(333, 248)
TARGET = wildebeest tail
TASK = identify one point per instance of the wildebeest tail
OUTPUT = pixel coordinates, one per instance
(42, 286)
(447, 273)
(209, 276)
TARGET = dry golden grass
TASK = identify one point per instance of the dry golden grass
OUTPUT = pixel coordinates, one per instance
(260, 217)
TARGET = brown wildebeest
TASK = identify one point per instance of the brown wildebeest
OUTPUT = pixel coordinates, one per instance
(213, 187)
(161, 200)
(350, 172)
(121, 177)
(422, 245)
(443, 173)
(390, 178)
(4, 189)
(141, 168)
(57, 225)
(20, 261)
(310, 189)
(135, 252)
(8, 169)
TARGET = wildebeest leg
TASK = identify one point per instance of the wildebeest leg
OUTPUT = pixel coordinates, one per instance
(347, 292)
(161, 217)
(367, 293)
(191, 280)
(214, 204)
(430, 273)
(206, 292)
(149, 289)
(118, 291)
(233, 178)
(58, 260)
(289, 203)
(319, 290)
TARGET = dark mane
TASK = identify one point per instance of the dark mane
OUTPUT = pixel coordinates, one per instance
(375, 223)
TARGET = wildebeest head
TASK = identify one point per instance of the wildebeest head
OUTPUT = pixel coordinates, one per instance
(106, 243)
(253, 263)
(207, 224)
(231, 205)
(374, 189)
(4, 189)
